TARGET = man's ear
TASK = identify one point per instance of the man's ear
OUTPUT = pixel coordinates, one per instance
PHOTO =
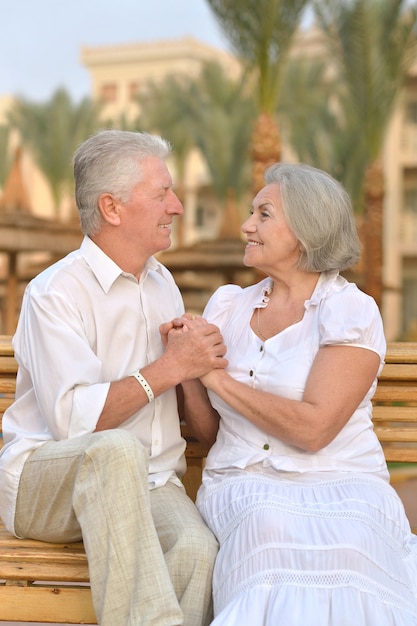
(109, 208)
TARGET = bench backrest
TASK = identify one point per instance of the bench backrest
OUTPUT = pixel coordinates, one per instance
(395, 403)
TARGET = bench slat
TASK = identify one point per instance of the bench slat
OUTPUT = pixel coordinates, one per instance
(5, 403)
(8, 365)
(6, 347)
(56, 604)
(8, 385)
(395, 414)
(400, 455)
(398, 371)
(396, 393)
(390, 433)
(401, 352)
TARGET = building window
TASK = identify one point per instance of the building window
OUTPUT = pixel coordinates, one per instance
(410, 200)
(411, 113)
(408, 224)
(199, 216)
(108, 92)
(409, 308)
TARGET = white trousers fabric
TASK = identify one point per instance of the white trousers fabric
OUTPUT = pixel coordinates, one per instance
(150, 555)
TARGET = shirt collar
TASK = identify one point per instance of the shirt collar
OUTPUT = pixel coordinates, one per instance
(325, 282)
(105, 269)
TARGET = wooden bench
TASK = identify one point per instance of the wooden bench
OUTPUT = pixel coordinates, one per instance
(44, 582)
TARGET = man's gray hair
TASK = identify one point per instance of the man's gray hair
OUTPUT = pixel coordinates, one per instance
(109, 162)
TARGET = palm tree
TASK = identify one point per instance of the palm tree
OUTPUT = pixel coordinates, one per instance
(221, 112)
(260, 32)
(52, 131)
(316, 115)
(211, 112)
(373, 44)
(162, 109)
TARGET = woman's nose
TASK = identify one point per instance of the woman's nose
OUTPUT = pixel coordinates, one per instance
(248, 225)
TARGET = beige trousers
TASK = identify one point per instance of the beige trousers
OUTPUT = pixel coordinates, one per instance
(150, 555)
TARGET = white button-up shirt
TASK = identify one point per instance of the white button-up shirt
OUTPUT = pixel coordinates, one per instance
(338, 313)
(84, 323)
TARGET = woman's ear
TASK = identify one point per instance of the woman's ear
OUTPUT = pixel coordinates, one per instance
(109, 208)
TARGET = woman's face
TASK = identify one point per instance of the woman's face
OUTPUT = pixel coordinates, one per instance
(271, 245)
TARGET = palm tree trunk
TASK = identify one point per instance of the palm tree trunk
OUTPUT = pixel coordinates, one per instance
(230, 225)
(374, 201)
(265, 148)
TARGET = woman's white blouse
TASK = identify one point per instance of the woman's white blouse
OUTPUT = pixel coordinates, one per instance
(337, 313)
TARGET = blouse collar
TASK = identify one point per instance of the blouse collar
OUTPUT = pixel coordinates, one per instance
(324, 284)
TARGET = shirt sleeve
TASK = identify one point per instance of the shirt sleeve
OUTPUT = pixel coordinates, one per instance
(57, 360)
(218, 307)
(351, 317)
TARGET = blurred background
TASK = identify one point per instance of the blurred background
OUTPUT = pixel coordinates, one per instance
(234, 86)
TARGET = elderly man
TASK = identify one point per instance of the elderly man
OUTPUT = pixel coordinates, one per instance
(93, 448)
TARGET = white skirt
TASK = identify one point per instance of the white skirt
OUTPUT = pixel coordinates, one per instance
(309, 551)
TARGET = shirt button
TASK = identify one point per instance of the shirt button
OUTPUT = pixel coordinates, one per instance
(251, 373)
(266, 446)
(261, 348)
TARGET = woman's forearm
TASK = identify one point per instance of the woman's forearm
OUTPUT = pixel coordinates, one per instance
(198, 412)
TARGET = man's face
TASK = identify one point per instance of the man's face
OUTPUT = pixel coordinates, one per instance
(148, 213)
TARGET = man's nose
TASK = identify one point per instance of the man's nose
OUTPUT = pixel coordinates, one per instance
(174, 204)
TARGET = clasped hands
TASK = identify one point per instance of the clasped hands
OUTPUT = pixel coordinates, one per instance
(197, 343)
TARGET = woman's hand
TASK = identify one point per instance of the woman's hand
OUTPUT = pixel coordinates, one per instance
(213, 378)
(180, 323)
(193, 346)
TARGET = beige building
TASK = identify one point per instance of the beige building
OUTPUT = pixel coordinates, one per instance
(118, 73)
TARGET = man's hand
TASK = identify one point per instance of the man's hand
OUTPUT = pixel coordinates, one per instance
(194, 346)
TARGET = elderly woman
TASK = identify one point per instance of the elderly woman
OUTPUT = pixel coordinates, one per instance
(296, 487)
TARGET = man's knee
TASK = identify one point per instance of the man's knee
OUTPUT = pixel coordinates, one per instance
(114, 457)
(199, 545)
(110, 445)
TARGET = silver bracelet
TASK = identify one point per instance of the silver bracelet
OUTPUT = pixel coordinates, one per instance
(144, 384)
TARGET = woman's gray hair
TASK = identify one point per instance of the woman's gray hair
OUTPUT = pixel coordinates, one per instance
(109, 162)
(319, 212)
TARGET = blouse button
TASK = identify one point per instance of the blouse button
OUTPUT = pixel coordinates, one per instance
(266, 446)
(251, 373)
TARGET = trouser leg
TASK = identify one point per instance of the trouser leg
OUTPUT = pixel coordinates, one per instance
(190, 550)
(99, 483)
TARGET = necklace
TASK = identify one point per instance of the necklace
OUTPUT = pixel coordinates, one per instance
(259, 327)
(258, 324)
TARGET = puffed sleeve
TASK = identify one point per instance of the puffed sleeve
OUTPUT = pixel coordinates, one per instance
(218, 308)
(352, 317)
